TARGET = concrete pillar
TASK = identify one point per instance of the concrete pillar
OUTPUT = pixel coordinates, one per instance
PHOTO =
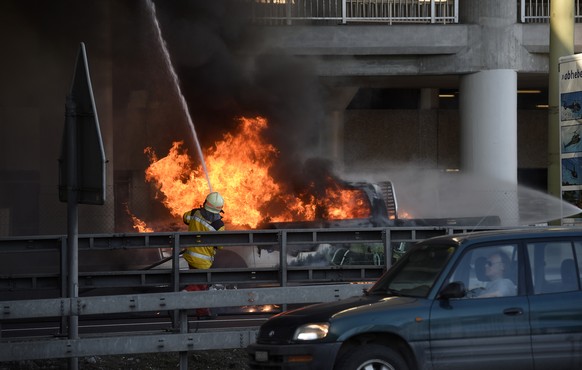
(488, 110)
(488, 107)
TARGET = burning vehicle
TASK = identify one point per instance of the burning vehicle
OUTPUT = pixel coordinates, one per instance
(255, 198)
(258, 199)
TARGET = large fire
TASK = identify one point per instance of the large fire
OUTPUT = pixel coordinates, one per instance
(239, 168)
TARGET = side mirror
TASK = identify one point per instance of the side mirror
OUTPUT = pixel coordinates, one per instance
(456, 289)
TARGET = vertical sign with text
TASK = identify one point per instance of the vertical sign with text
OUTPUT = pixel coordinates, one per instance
(570, 113)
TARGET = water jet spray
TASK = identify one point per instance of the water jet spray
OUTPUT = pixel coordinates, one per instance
(168, 61)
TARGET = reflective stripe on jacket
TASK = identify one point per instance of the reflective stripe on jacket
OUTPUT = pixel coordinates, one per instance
(203, 256)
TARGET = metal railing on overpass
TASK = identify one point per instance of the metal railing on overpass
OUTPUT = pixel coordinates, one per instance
(281, 284)
(538, 11)
(286, 12)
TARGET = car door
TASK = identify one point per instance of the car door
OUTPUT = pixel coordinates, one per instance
(556, 303)
(488, 332)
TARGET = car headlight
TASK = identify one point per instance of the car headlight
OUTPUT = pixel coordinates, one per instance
(311, 331)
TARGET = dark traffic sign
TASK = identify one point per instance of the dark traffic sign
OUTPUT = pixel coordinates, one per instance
(82, 161)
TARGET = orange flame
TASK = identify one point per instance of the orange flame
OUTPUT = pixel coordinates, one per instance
(138, 224)
(239, 168)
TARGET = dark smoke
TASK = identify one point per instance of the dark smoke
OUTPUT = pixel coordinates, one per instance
(227, 72)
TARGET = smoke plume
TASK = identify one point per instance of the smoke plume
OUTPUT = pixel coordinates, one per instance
(226, 71)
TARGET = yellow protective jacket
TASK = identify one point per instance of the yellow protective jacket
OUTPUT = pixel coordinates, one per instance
(200, 219)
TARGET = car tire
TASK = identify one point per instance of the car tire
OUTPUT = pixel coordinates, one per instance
(370, 356)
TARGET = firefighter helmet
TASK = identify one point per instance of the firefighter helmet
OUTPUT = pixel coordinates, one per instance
(214, 202)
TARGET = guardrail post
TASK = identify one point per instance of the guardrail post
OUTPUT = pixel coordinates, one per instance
(283, 262)
(387, 239)
(183, 330)
(344, 12)
(283, 258)
(176, 263)
(176, 315)
(64, 273)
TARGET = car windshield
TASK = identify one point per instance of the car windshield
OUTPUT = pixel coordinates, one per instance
(415, 274)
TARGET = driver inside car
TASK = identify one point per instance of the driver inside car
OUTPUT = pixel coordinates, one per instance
(496, 271)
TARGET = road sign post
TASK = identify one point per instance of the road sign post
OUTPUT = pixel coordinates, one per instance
(81, 172)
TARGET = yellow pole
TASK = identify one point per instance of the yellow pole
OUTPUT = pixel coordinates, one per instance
(561, 44)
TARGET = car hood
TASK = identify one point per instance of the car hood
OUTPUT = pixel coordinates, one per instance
(346, 307)
(350, 311)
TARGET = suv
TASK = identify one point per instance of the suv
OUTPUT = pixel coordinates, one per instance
(506, 299)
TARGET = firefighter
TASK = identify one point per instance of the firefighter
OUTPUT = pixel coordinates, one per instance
(205, 218)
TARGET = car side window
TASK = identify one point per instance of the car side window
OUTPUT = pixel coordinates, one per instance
(553, 266)
(489, 271)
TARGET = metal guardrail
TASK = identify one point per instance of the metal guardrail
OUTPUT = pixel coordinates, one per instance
(287, 285)
(50, 253)
(46, 348)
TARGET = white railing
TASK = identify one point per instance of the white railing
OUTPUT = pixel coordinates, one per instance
(289, 12)
(538, 11)
(362, 11)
